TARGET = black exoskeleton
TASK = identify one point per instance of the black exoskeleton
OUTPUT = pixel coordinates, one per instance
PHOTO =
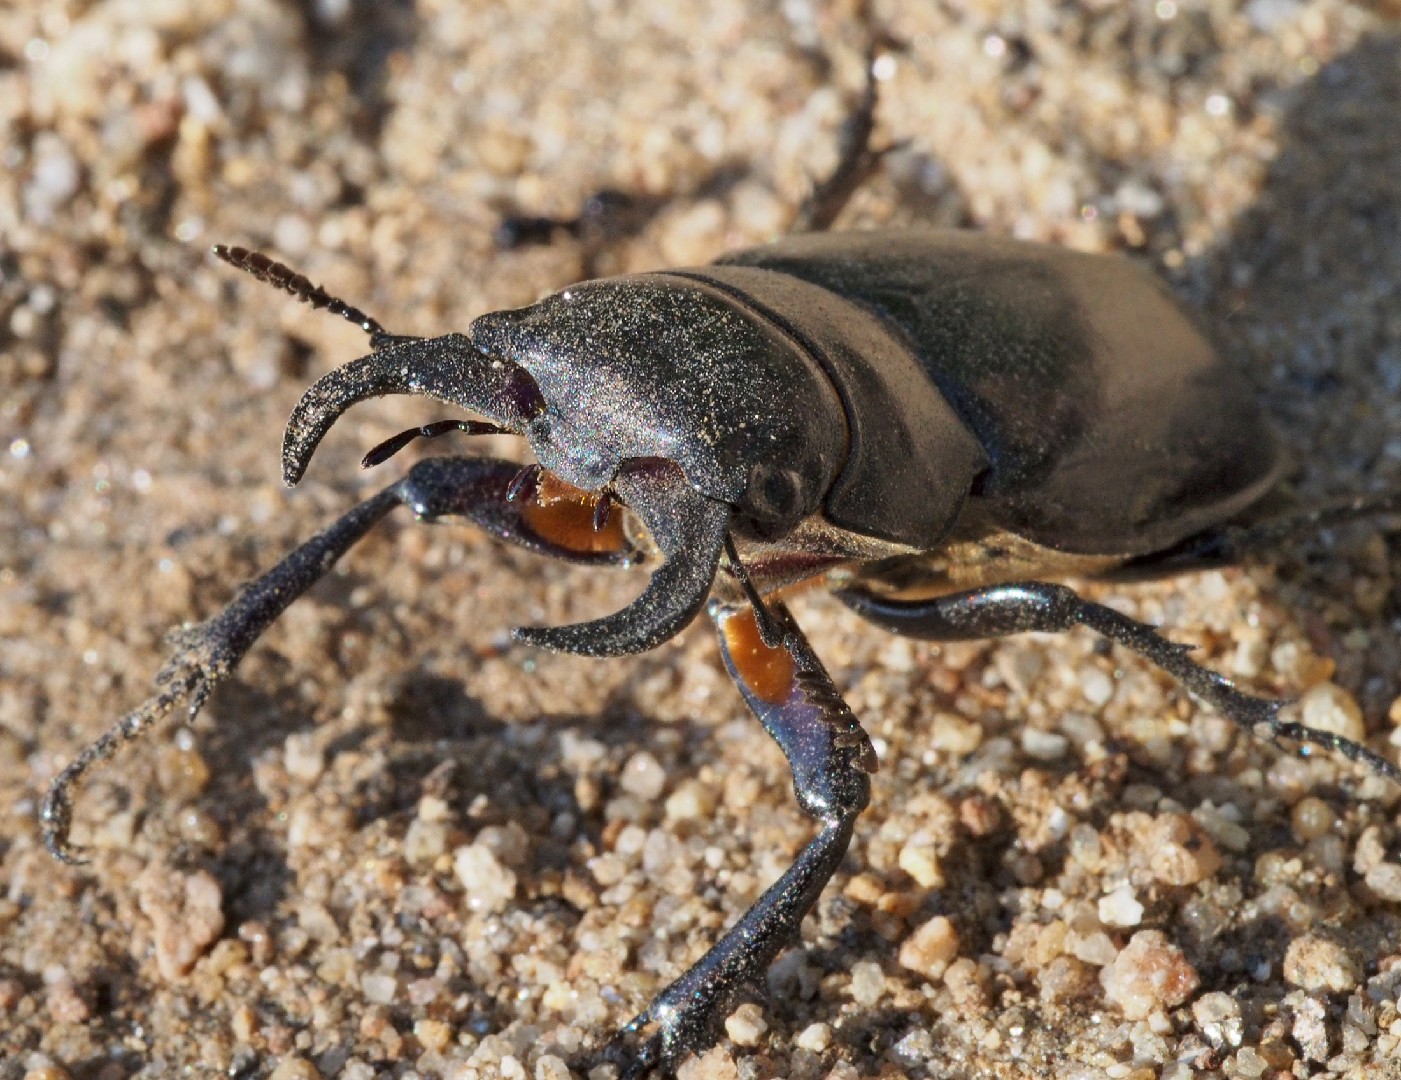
(867, 410)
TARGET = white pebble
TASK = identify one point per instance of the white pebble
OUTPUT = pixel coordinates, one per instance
(490, 885)
(815, 1037)
(1327, 707)
(302, 758)
(1097, 687)
(1044, 745)
(745, 1026)
(1384, 879)
(867, 983)
(643, 776)
(378, 987)
(1120, 908)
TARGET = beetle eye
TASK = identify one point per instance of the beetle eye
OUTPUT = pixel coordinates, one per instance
(774, 495)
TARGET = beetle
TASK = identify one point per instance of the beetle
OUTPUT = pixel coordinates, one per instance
(930, 423)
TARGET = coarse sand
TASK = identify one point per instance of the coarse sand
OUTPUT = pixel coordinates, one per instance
(394, 844)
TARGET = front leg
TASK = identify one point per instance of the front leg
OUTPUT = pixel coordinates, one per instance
(474, 488)
(832, 758)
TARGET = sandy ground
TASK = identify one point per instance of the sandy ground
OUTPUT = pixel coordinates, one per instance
(395, 845)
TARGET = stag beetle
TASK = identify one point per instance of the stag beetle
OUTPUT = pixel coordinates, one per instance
(928, 422)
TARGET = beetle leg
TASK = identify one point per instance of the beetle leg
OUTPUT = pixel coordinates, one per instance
(857, 159)
(1230, 544)
(999, 610)
(474, 488)
(832, 758)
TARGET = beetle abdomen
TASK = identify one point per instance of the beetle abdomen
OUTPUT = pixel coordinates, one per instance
(1110, 423)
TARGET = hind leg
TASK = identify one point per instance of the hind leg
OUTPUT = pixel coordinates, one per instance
(999, 610)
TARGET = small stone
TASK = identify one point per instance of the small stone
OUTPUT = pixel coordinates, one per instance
(302, 758)
(1149, 975)
(65, 1002)
(433, 1034)
(867, 983)
(425, 841)
(1097, 686)
(294, 1068)
(931, 949)
(1328, 707)
(954, 735)
(1384, 879)
(607, 869)
(378, 987)
(1095, 947)
(865, 889)
(1065, 979)
(815, 1037)
(746, 1026)
(1218, 1018)
(691, 801)
(1044, 745)
(490, 885)
(550, 1067)
(1310, 1028)
(186, 911)
(433, 808)
(1311, 818)
(1315, 963)
(1180, 852)
(643, 776)
(1120, 908)
(714, 1064)
(918, 859)
(181, 773)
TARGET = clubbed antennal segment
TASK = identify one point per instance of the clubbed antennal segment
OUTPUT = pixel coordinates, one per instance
(281, 276)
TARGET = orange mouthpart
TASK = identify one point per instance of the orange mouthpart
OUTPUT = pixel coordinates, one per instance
(563, 515)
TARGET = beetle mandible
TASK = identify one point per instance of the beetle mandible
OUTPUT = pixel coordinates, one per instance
(886, 413)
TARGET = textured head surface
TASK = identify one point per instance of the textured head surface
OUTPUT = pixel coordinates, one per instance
(654, 367)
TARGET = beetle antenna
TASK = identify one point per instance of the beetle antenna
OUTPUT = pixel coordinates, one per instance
(281, 276)
(769, 632)
(382, 452)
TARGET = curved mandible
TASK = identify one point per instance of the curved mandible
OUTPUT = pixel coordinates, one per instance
(690, 530)
(447, 368)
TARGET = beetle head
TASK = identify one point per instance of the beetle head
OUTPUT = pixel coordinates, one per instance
(699, 415)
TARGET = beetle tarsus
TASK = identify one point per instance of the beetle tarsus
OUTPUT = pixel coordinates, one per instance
(832, 760)
(999, 610)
